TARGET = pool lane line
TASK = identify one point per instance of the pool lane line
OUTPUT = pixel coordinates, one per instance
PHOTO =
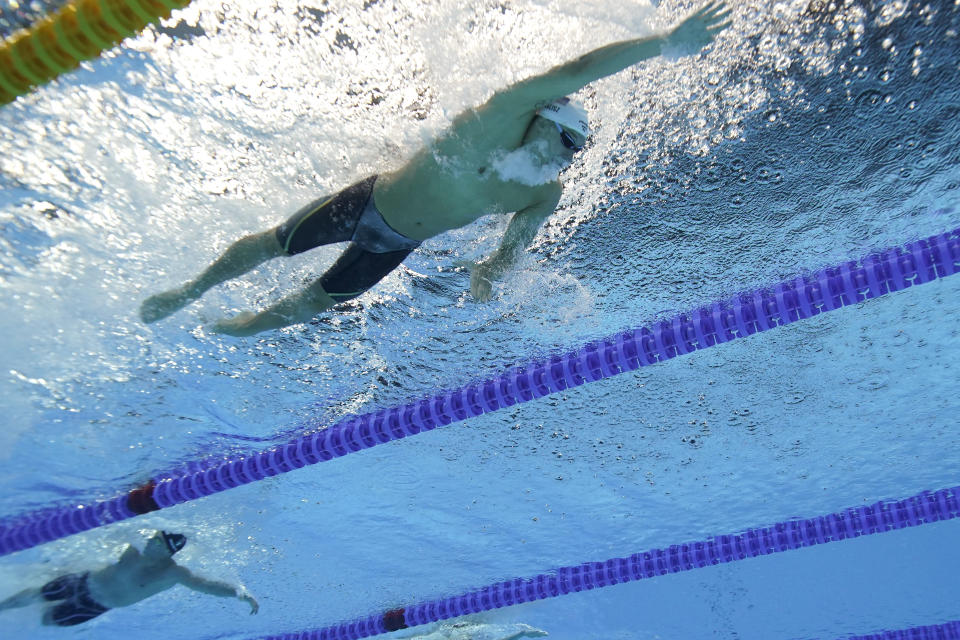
(77, 31)
(742, 315)
(854, 522)
(946, 631)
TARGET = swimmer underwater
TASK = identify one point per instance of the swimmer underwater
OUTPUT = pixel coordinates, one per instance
(75, 598)
(386, 217)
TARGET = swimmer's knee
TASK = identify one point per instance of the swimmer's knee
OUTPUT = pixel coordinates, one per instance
(265, 245)
(320, 297)
(272, 242)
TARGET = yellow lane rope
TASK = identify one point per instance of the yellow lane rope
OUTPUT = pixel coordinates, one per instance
(81, 30)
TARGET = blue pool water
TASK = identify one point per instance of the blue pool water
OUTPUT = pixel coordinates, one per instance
(811, 135)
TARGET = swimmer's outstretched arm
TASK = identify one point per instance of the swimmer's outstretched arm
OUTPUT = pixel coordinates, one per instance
(689, 37)
(215, 588)
(518, 236)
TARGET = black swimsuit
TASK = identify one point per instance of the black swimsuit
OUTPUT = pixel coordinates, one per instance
(78, 606)
(375, 248)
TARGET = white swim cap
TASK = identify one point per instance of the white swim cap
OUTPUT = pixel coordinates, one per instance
(567, 113)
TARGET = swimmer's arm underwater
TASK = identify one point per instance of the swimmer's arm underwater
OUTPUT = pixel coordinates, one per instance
(689, 37)
(518, 236)
(214, 588)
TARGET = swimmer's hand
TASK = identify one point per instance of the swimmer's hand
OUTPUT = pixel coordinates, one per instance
(241, 325)
(246, 597)
(697, 31)
(481, 282)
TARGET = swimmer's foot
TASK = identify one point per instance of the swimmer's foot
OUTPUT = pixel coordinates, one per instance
(163, 304)
(241, 325)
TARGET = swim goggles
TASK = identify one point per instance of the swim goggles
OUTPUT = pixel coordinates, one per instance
(174, 541)
(568, 140)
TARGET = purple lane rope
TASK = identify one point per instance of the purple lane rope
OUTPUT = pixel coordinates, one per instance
(880, 517)
(945, 631)
(743, 315)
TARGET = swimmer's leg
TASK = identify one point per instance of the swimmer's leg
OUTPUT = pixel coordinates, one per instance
(22, 599)
(49, 618)
(299, 307)
(242, 256)
(353, 273)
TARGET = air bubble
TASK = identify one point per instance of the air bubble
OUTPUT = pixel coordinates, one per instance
(866, 102)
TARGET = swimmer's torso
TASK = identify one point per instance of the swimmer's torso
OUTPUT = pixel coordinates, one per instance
(452, 182)
(131, 580)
